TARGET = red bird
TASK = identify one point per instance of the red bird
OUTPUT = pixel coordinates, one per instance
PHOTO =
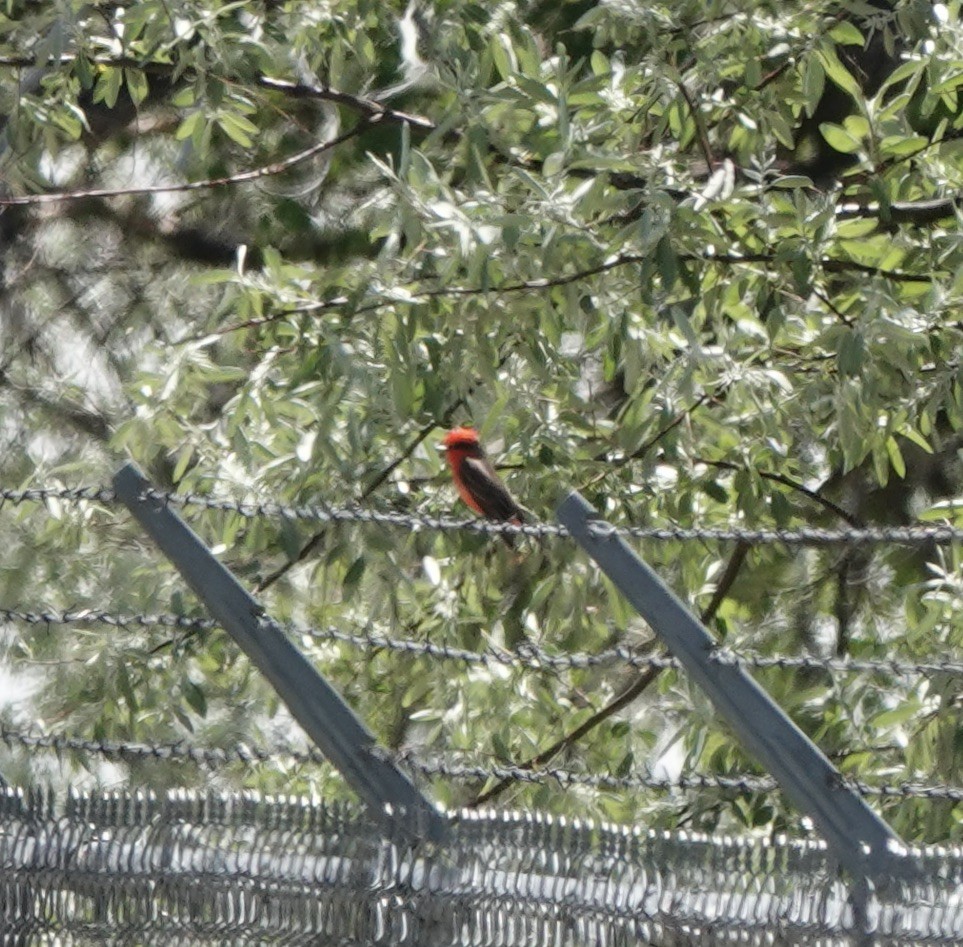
(476, 480)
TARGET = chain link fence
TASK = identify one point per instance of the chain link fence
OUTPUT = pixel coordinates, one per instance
(204, 868)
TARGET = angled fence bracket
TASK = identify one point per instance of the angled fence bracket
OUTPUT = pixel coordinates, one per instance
(858, 837)
(395, 801)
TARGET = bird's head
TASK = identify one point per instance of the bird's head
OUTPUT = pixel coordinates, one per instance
(461, 438)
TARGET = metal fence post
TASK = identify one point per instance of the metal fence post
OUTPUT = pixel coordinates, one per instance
(313, 702)
(859, 838)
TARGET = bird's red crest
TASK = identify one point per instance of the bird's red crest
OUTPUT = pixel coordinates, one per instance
(461, 437)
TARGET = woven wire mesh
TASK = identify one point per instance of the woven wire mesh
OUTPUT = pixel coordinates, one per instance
(206, 868)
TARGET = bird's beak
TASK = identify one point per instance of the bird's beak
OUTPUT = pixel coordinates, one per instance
(440, 447)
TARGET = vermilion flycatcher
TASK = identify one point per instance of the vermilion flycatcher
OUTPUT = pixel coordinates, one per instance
(476, 480)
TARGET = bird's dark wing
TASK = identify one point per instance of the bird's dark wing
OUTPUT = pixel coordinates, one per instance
(488, 490)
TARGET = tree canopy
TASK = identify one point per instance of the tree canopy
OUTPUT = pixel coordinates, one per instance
(700, 261)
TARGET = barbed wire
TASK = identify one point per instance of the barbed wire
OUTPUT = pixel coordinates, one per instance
(66, 494)
(567, 778)
(744, 783)
(918, 535)
(527, 655)
(124, 751)
(94, 617)
(435, 768)
(217, 757)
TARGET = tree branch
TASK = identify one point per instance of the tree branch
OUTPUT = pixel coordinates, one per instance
(369, 108)
(623, 259)
(242, 177)
(634, 690)
(701, 133)
(904, 212)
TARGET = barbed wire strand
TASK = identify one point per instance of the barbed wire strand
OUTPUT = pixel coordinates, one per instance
(914, 535)
(527, 656)
(216, 757)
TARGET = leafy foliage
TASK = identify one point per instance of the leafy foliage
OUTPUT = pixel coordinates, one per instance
(636, 244)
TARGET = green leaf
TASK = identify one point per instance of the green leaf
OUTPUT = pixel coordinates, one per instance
(238, 128)
(184, 458)
(881, 464)
(948, 511)
(136, 85)
(851, 353)
(950, 84)
(838, 73)
(189, 126)
(353, 576)
(895, 457)
(84, 71)
(184, 97)
(667, 262)
(839, 138)
(553, 164)
(888, 719)
(917, 438)
(852, 229)
(814, 82)
(857, 126)
(900, 146)
(195, 697)
(846, 34)
(716, 491)
(503, 55)
(108, 85)
(791, 181)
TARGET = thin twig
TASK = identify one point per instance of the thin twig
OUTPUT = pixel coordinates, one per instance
(833, 308)
(368, 107)
(701, 133)
(312, 544)
(829, 264)
(640, 452)
(626, 697)
(835, 508)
